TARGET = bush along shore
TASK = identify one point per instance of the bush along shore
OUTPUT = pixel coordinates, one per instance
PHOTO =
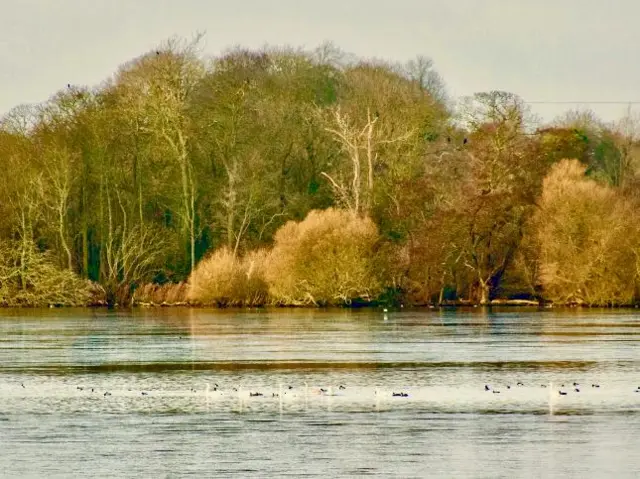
(282, 177)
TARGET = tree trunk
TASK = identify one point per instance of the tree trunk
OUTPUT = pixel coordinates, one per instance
(484, 292)
(85, 236)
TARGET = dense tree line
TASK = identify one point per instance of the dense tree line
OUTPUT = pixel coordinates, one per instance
(238, 171)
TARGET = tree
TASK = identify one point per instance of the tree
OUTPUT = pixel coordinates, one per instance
(357, 142)
(586, 239)
(328, 258)
(421, 70)
(161, 83)
(500, 185)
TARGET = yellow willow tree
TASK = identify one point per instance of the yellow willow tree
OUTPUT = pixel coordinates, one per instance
(586, 238)
(157, 88)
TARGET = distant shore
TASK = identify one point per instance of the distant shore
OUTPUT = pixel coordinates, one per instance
(461, 304)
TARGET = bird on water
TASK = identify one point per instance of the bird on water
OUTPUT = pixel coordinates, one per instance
(400, 395)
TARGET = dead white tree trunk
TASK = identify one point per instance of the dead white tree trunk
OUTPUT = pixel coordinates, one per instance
(357, 142)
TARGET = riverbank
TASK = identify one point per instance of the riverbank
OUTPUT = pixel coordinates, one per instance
(100, 302)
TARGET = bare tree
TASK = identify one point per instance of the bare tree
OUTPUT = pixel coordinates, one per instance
(132, 252)
(360, 144)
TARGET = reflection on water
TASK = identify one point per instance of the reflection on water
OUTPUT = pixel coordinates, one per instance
(326, 393)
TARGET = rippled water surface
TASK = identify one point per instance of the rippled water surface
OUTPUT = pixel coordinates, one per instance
(171, 393)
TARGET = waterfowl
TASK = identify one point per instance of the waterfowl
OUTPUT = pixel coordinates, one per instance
(107, 394)
(487, 388)
(562, 393)
(341, 387)
(519, 384)
(400, 395)
(253, 395)
(577, 390)
(144, 393)
(495, 391)
(595, 385)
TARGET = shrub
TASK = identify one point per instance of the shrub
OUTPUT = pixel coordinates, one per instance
(326, 259)
(226, 280)
(585, 238)
(30, 277)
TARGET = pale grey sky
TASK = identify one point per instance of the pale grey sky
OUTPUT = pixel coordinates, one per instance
(543, 50)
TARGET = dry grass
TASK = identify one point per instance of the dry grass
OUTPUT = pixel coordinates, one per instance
(165, 294)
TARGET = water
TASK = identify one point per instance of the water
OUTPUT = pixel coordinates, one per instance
(168, 393)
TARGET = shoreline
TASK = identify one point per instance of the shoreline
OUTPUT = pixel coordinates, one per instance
(462, 304)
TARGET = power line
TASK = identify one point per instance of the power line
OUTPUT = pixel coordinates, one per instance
(582, 102)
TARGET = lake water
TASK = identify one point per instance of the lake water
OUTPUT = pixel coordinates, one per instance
(171, 393)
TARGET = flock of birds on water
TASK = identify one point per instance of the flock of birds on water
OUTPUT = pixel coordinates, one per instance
(564, 390)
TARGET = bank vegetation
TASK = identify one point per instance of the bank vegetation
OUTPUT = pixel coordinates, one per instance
(289, 177)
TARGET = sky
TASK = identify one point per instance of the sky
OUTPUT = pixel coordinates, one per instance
(580, 52)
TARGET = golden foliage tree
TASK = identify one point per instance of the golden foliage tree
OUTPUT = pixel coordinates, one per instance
(224, 279)
(585, 237)
(326, 259)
